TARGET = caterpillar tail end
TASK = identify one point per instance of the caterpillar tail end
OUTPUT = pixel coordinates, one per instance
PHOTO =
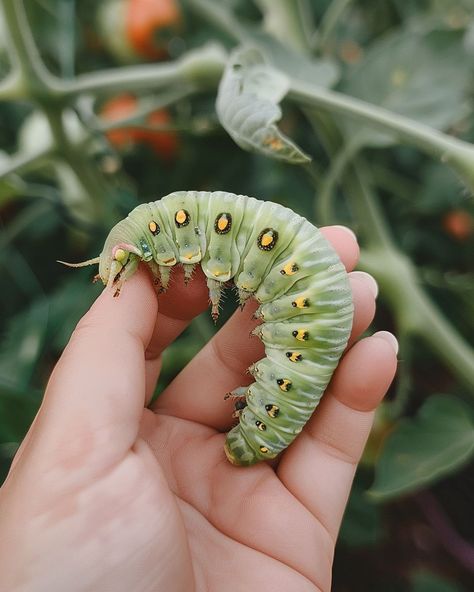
(237, 451)
(230, 457)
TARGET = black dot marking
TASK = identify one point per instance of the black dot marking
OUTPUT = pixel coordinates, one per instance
(182, 218)
(260, 425)
(223, 223)
(272, 410)
(240, 405)
(284, 384)
(267, 239)
(289, 269)
(294, 356)
(300, 303)
(300, 335)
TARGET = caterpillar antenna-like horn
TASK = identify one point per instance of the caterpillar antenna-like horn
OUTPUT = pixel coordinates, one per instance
(94, 261)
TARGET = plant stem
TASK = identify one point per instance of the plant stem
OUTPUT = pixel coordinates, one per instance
(326, 194)
(95, 189)
(415, 312)
(34, 77)
(218, 15)
(11, 88)
(456, 153)
(282, 19)
(25, 161)
(330, 20)
(200, 69)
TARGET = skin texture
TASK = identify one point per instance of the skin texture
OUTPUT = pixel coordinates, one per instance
(107, 495)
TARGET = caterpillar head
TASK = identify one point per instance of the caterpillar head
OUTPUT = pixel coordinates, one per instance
(117, 262)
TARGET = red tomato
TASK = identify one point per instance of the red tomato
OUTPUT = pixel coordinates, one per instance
(164, 143)
(459, 224)
(149, 24)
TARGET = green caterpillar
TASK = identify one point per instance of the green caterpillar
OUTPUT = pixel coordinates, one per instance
(272, 254)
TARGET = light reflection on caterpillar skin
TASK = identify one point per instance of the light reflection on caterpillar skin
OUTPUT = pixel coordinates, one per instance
(273, 255)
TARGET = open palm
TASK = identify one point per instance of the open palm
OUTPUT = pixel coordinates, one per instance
(106, 495)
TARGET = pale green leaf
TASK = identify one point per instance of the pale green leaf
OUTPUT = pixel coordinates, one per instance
(248, 106)
(424, 449)
(406, 72)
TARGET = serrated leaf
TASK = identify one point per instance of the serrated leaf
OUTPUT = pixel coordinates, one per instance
(407, 73)
(248, 109)
(426, 448)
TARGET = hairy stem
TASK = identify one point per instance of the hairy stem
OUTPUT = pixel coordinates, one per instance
(456, 153)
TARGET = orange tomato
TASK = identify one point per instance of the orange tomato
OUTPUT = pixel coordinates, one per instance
(459, 224)
(149, 24)
(164, 143)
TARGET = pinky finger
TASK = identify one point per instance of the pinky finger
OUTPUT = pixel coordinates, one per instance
(319, 467)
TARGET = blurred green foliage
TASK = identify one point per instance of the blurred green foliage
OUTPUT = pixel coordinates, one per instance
(392, 157)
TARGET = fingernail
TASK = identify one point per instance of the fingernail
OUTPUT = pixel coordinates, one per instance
(346, 229)
(389, 338)
(369, 280)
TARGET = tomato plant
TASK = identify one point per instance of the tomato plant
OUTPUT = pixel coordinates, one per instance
(137, 29)
(164, 143)
(377, 134)
(150, 23)
(459, 224)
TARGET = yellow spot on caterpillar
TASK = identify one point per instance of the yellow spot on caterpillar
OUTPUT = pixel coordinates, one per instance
(263, 449)
(272, 410)
(153, 228)
(289, 269)
(294, 356)
(267, 239)
(171, 261)
(190, 256)
(121, 255)
(284, 384)
(300, 302)
(301, 334)
(181, 218)
(261, 426)
(223, 223)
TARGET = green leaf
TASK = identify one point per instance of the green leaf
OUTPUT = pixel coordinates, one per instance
(17, 410)
(323, 71)
(423, 449)
(248, 106)
(406, 73)
(362, 524)
(424, 581)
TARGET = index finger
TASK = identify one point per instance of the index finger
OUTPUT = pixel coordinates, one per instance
(95, 396)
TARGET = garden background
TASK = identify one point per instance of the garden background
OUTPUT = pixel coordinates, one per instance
(362, 114)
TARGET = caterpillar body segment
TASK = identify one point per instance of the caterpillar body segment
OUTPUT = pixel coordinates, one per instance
(272, 254)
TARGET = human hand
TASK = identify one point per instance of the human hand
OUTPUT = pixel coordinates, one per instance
(105, 494)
